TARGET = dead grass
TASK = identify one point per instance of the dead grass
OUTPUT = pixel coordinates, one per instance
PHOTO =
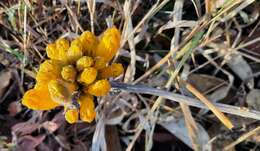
(215, 39)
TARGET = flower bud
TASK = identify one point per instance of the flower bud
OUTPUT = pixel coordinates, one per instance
(74, 53)
(99, 88)
(100, 63)
(89, 42)
(111, 71)
(71, 116)
(69, 73)
(87, 108)
(109, 44)
(88, 75)
(84, 62)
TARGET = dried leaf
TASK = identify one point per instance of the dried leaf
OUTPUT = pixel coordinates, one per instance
(115, 117)
(29, 143)
(5, 77)
(178, 128)
(14, 108)
(240, 66)
(253, 99)
(24, 128)
(62, 140)
(50, 126)
(214, 88)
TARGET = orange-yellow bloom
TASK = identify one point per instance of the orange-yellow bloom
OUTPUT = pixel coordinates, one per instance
(38, 99)
(100, 63)
(84, 62)
(74, 53)
(88, 75)
(72, 116)
(69, 73)
(49, 70)
(111, 71)
(99, 88)
(58, 50)
(109, 44)
(62, 44)
(87, 108)
(77, 67)
(58, 92)
(89, 42)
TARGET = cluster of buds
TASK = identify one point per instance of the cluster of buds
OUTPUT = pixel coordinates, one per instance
(75, 72)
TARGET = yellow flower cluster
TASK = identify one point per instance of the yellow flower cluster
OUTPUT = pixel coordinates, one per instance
(75, 72)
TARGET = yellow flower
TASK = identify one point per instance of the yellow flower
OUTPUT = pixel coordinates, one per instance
(77, 68)
(72, 116)
(58, 50)
(49, 70)
(109, 44)
(62, 44)
(89, 42)
(74, 53)
(59, 91)
(88, 75)
(87, 108)
(84, 62)
(38, 99)
(69, 73)
(100, 63)
(111, 71)
(99, 88)
(77, 43)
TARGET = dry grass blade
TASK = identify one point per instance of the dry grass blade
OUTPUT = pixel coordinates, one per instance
(242, 138)
(213, 108)
(91, 9)
(197, 6)
(74, 17)
(189, 120)
(166, 57)
(248, 43)
(228, 5)
(231, 14)
(191, 126)
(128, 28)
(210, 6)
(234, 110)
(153, 10)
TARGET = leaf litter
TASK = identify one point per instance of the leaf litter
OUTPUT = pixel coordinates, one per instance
(162, 58)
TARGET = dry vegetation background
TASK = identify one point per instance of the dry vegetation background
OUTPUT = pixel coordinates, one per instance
(191, 78)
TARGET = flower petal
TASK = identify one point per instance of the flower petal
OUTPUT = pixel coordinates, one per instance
(99, 88)
(89, 42)
(58, 50)
(49, 70)
(38, 99)
(75, 51)
(87, 108)
(100, 63)
(109, 44)
(62, 44)
(60, 91)
(71, 116)
(111, 71)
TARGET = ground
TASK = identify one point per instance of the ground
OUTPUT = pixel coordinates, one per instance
(191, 79)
